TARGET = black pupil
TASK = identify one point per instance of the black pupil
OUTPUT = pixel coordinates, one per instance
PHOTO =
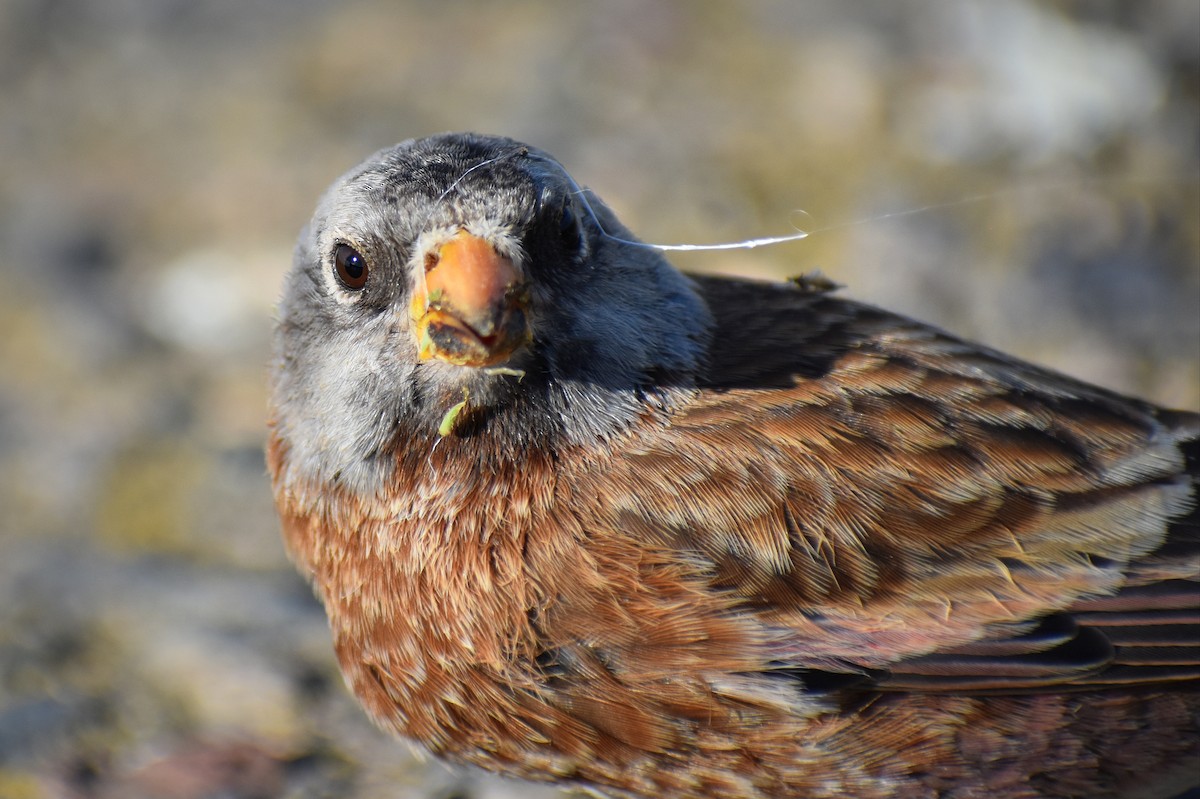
(351, 267)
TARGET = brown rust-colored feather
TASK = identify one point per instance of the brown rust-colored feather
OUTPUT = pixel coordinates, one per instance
(941, 532)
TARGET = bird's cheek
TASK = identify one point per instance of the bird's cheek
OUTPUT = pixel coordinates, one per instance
(471, 308)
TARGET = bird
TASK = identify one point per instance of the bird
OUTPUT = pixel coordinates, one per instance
(578, 517)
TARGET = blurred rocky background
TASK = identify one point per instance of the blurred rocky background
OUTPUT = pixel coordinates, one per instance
(1025, 173)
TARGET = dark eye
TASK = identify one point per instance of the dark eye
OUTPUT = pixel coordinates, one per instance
(568, 228)
(350, 266)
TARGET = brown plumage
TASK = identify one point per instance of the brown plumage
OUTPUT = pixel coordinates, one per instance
(575, 517)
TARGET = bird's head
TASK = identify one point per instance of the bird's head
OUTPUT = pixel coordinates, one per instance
(465, 285)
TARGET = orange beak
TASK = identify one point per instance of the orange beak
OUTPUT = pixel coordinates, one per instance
(471, 309)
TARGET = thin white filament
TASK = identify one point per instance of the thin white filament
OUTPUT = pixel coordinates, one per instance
(748, 244)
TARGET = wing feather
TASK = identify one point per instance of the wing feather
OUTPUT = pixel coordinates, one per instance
(891, 499)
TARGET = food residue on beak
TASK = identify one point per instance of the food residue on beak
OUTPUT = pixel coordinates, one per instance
(470, 310)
